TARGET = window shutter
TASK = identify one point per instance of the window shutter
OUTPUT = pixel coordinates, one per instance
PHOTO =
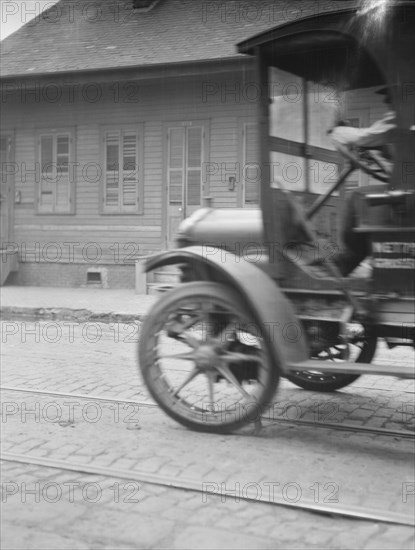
(47, 175)
(112, 169)
(62, 199)
(130, 169)
(123, 173)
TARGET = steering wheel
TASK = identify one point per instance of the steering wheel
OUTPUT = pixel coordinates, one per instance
(368, 160)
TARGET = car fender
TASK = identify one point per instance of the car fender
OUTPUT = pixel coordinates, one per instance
(266, 302)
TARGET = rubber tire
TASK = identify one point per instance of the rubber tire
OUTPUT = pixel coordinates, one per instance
(147, 343)
(340, 380)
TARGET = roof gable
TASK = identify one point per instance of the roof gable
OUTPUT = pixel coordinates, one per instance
(108, 34)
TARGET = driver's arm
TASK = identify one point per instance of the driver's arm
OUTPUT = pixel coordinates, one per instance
(380, 133)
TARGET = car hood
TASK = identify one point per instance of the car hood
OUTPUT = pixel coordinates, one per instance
(232, 229)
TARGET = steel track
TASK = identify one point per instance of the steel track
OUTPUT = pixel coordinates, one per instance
(351, 512)
(358, 386)
(335, 426)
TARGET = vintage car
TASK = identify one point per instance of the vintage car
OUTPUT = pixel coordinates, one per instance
(262, 294)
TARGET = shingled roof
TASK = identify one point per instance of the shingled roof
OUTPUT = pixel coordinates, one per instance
(80, 35)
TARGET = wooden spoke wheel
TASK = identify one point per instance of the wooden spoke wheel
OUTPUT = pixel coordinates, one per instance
(204, 359)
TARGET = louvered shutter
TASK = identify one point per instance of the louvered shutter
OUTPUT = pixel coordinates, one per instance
(130, 171)
(123, 171)
(112, 169)
(62, 198)
(47, 174)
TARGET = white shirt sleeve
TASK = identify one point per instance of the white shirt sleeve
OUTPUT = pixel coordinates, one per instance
(380, 133)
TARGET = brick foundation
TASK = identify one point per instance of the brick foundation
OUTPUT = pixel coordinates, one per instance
(72, 275)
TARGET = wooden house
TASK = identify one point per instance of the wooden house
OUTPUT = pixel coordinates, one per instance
(122, 117)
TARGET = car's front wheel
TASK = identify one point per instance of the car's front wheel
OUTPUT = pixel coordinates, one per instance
(204, 360)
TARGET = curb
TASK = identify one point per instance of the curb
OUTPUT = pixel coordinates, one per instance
(67, 314)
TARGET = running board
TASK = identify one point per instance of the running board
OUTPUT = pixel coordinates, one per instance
(400, 371)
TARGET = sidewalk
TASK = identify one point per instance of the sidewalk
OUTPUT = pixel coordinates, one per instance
(80, 304)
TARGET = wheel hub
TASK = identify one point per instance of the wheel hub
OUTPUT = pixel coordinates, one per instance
(206, 357)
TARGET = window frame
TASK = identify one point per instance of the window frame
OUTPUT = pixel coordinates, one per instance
(303, 148)
(122, 210)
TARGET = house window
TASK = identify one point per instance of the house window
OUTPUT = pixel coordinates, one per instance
(123, 170)
(56, 181)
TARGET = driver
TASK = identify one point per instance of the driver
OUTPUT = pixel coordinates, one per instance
(380, 136)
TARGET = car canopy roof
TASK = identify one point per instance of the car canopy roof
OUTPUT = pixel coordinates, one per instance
(333, 47)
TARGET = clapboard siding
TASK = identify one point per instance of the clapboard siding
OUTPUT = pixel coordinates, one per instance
(224, 153)
(368, 100)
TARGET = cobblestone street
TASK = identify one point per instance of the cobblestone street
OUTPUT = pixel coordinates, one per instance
(53, 507)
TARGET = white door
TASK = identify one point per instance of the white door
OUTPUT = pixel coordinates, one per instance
(185, 188)
(250, 170)
(7, 259)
